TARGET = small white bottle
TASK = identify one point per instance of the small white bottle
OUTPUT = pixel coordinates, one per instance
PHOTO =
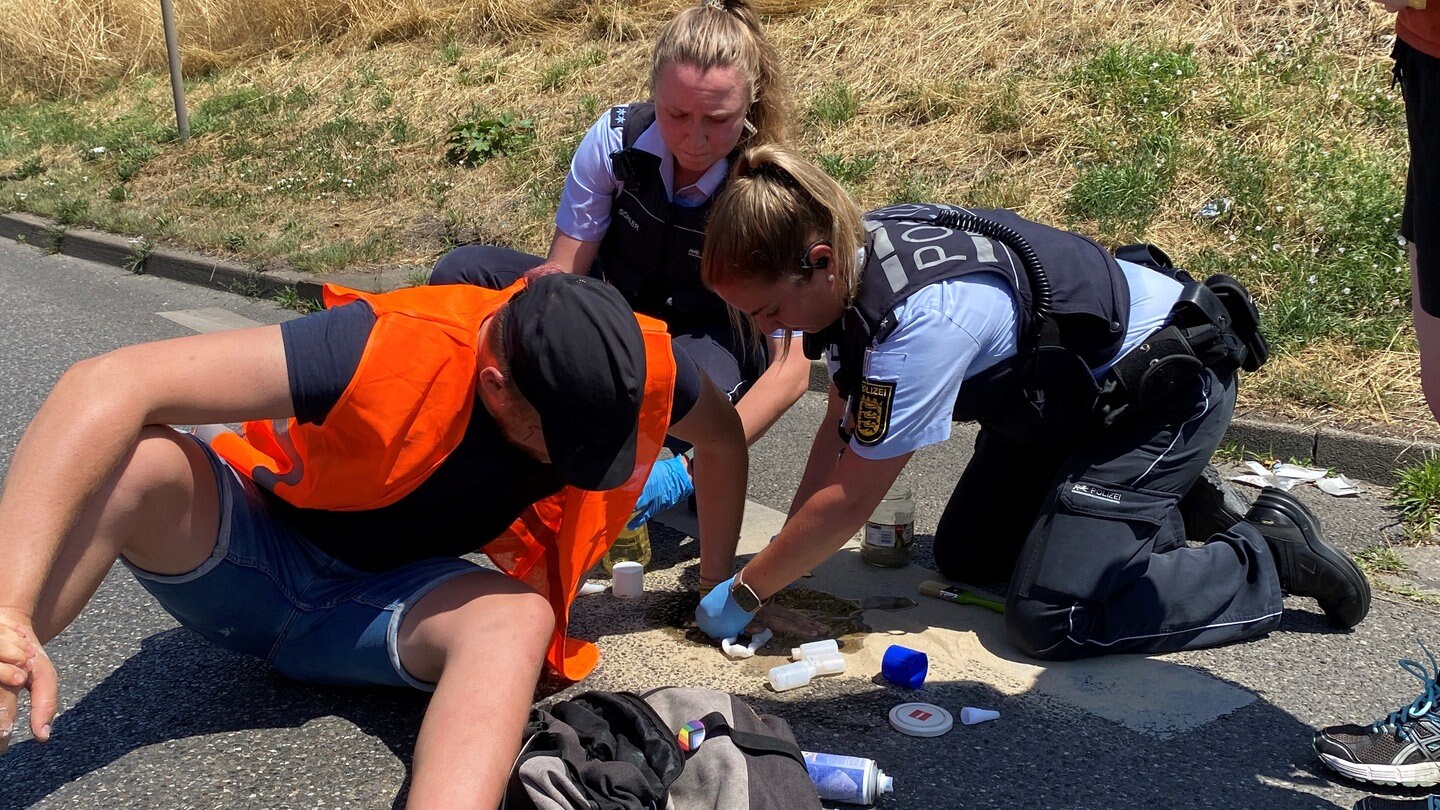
(798, 673)
(792, 675)
(810, 648)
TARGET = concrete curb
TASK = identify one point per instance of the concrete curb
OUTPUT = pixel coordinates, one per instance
(1358, 455)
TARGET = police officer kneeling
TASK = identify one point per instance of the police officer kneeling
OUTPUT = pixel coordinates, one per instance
(1101, 386)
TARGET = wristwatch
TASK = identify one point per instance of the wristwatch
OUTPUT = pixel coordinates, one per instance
(745, 597)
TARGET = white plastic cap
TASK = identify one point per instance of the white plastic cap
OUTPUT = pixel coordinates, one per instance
(811, 648)
(827, 663)
(883, 783)
(791, 675)
(971, 715)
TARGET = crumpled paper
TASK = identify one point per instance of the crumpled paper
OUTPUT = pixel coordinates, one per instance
(1288, 476)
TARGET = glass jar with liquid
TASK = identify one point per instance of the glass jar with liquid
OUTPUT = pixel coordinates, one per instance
(631, 544)
(889, 534)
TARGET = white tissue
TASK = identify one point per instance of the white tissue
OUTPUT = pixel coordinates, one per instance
(737, 650)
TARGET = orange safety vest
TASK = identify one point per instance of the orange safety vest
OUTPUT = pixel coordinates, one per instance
(406, 410)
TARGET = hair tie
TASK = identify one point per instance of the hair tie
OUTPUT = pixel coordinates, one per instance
(718, 5)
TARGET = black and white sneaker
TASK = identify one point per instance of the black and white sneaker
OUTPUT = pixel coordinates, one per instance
(1401, 749)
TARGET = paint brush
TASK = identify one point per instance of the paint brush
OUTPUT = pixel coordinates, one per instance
(959, 595)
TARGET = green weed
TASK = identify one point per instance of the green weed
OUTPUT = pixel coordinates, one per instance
(289, 297)
(834, 105)
(1000, 109)
(474, 141)
(850, 171)
(1417, 497)
(1381, 560)
(344, 253)
(1136, 82)
(555, 76)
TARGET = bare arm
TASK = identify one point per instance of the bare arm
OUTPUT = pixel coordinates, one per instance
(783, 382)
(94, 416)
(722, 464)
(571, 254)
(825, 451)
(836, 503)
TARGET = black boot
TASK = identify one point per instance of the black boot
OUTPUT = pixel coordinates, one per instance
(1211, 506)
(1308, 565)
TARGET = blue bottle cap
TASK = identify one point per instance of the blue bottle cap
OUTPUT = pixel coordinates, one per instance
(905, 667)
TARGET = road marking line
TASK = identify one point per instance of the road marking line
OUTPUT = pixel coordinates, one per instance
(208, 319)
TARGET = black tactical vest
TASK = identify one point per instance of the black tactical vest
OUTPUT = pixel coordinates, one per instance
(651, 251)
(1046, 390)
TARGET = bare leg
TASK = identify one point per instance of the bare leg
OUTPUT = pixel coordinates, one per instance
(482, 639)
(1427, 334)
(159, 508)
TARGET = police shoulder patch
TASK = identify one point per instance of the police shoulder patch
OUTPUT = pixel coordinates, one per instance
(872, 417)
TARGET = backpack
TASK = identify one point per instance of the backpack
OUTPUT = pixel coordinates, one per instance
(675, 748)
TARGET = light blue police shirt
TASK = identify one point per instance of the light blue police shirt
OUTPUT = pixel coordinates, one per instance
(953, 330)
(591, 186)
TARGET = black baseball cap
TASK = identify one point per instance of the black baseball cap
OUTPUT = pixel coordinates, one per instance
(575, 351)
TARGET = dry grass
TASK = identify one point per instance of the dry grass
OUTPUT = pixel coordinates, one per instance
(957, 100)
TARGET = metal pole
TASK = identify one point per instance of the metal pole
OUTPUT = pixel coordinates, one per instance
(177, 85)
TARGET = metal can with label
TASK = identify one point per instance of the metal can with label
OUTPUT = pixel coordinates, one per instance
(851, 780)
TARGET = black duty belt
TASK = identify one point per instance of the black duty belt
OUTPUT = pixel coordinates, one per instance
(1213, 325)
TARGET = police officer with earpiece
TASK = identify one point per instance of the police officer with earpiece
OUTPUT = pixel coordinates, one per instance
(1101, 385)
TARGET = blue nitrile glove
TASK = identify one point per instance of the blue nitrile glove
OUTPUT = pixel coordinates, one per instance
(718, 615)
(667, 485)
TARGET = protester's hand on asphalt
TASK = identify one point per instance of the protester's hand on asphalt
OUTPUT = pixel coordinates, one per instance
(24, 665)
(788, 621)
(718, 615)
(668, 485)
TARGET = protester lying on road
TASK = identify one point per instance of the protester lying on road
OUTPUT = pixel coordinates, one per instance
(394, 433)
(637, 197)
(1101, 387)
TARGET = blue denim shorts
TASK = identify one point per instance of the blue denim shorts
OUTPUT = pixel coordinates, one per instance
(268, 592)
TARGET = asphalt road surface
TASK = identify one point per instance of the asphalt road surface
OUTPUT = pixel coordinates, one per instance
(156, 718)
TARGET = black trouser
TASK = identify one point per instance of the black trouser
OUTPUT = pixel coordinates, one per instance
(1419, 77)
(1092, 540)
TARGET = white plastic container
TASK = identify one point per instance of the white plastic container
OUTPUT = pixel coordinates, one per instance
(810, 648)
(628, 579)
(798, 673)
(827, 663)
(792, 675)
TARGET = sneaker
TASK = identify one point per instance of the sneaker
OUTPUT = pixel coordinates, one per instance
(1307, 564)
(1401, 749)
(1383, 803)
(1211, 506)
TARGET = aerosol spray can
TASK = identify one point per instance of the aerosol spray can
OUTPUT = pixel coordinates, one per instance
(890, 531)
(852, 780)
